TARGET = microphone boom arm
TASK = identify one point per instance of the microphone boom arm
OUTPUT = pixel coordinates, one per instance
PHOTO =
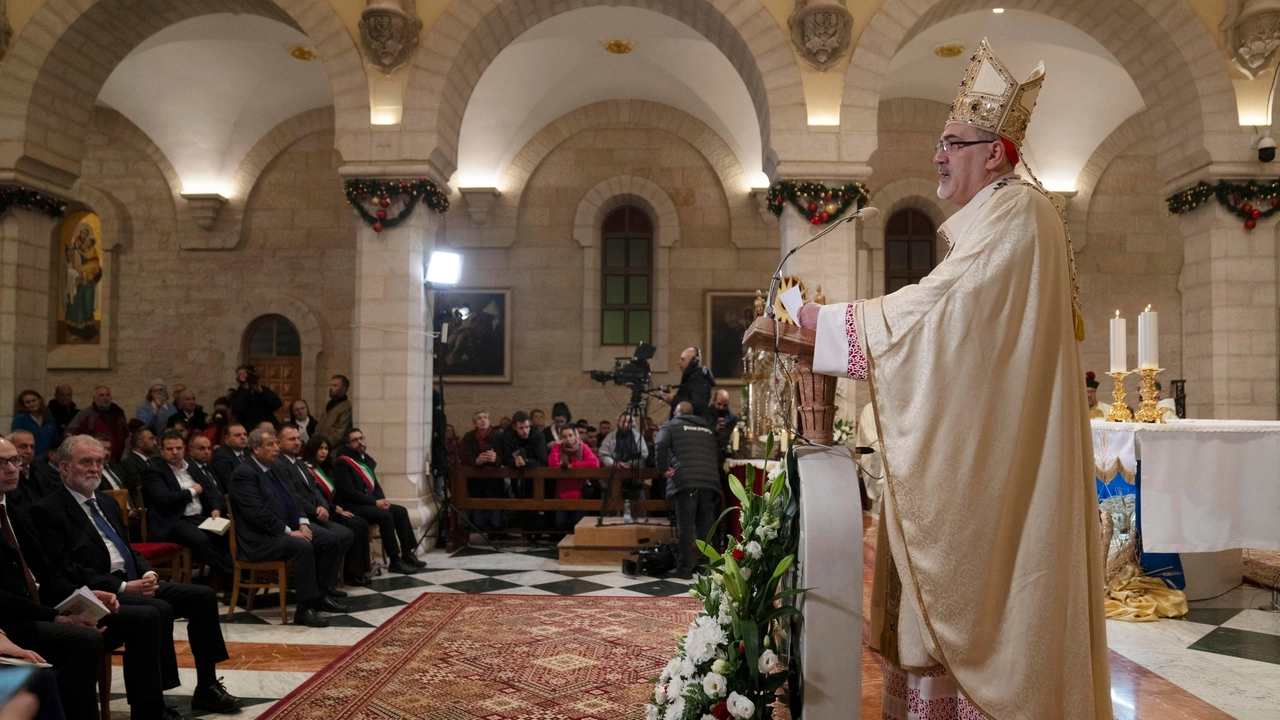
(776, 280)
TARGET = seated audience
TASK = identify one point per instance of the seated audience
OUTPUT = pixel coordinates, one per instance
(538, 419)
(155, 410)
(523, 447)
(229, 456)
(316, 457)
(179, 497)
(570, 452)
(188, 411)
(36, 479)
(559, 418)
(359, 491)
(335, 423)
(142, 447)
(30, 589)
(63, 407)
(82, 530)
(269, 525)
(479, 448)
(623, 447)
(289, 468)
(217, 428)
(604, 427)
(30, 414)
(300, 417)
(591, 437)
(103, 417)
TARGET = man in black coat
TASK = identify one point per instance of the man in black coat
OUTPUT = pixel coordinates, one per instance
(522, 446)
(690, 460)
(696, 382)
(142, 448)
(83, 531)
(323, 517)
(227, 458)
(179, 497)
(188, 411)
(269, 525)
(252, 402)
(31, 587)
(359, 491)
(33, 484)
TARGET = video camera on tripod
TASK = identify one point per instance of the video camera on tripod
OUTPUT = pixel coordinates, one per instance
(632, 372)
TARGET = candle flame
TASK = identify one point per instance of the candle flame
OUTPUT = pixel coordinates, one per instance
(1148, 309)
(1117, 313)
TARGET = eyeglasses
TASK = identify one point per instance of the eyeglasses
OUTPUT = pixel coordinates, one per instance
(947, 146)
(15, 461)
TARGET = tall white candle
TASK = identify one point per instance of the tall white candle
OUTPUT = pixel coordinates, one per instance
(1149, 340)
(1119, 352)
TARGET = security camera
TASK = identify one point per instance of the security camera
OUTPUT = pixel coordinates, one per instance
(1266, 149)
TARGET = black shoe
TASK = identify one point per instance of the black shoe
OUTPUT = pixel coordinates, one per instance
(173, 713)
(361, 581)
(336, 593)
(399, 566)
(411, 559)
(309, 617)
(329, 605)
(215, 698)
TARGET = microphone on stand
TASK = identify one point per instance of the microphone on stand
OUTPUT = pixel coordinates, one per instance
(866, 213)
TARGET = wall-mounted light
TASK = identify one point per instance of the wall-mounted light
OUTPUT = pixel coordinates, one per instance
(444, 268)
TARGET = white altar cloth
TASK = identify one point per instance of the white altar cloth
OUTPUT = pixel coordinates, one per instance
(1207, 485)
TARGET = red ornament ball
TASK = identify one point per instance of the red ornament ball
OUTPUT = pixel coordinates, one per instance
(1255, 214)
(813, 207)
(1235, 199)
(1250, 224)
(384, 202)
(816, 219)
(406, 203)
(1275, 203)
(382, 214)
(377, 227)
(825, 216)
(1247, 207)
(827, 196)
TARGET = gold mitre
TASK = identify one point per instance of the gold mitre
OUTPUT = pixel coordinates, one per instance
(991, 99)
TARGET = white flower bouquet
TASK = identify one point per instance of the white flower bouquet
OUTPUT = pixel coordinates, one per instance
(727, 665)
(845, 432)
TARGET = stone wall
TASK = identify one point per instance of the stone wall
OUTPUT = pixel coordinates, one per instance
(180, 315)
(544, 269)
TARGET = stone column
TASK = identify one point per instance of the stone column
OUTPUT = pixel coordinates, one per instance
(391, 362)
(25, 249)
(1229, 316)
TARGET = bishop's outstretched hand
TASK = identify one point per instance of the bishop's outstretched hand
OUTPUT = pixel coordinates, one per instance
(809, 316)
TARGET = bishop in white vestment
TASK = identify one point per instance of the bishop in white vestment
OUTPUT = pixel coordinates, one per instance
(988, 594)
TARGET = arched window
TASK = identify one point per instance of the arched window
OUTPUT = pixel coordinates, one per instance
(626, 282)
(272, 345)
(908, 248)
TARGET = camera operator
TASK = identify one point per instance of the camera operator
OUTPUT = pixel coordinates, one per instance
(251, 402)
(695, 385)
(725, 420)
(689, 459)
(524, 447)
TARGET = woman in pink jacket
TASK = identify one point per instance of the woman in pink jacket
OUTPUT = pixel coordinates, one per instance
(570, 452)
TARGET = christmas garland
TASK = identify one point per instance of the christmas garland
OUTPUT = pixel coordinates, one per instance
(379, 194)
(31, 200)
(817, 202)
(1234, 196)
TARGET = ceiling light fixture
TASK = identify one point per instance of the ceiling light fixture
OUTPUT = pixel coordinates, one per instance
(302, 53)
(618, 46)
(997, 10)
(948, 50)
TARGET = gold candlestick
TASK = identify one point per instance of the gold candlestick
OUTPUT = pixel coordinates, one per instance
(1119, 411)
(1148, 412)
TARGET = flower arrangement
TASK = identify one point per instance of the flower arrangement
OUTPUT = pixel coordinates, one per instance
(727, 665)
(845, 432)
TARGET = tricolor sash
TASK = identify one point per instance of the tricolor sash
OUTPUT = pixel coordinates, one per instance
(363, 471)
(323, 481)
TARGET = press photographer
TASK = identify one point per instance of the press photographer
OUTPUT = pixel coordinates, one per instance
(251, 401)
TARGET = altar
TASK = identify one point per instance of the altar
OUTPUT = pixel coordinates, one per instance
(1204, 490)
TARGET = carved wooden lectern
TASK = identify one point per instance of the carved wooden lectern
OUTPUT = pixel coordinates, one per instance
(817, 392)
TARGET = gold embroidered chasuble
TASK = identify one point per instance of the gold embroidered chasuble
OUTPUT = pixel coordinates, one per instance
(990, 514)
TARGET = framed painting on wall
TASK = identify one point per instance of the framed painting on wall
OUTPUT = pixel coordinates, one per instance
(478, 347)
(728, 315)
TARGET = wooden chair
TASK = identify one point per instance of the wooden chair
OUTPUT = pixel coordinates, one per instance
(376, 534)
(279, 567)
(171, 561)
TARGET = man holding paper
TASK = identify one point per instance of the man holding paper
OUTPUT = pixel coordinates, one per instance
(184, 506)
(31, 588)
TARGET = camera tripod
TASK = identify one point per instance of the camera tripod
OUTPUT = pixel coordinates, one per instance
(633, 485)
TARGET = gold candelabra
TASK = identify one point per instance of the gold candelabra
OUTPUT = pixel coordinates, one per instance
(1148, 413)
(1119, 411)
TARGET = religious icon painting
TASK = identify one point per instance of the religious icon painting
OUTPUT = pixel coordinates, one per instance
(79, 270)
(476, 347)
(728, 315)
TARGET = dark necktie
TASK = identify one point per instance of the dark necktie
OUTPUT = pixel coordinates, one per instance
(12, 541)
(131, 570)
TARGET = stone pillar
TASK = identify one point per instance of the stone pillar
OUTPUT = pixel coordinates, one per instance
(391, 362)
(25, 249)
(1229, 316)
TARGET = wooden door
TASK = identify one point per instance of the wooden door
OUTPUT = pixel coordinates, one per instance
(271, 343)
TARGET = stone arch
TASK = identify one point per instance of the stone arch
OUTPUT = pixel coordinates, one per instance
(595, 205)
(500, 227)
(58, 63)
(471, 33)
(1162, 44)
(1120, 139)
(118, 127)
(314, 334)
(917, 193)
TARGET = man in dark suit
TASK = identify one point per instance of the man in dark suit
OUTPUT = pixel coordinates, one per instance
(33, 485)
(142, 447)
(269, 525)
(179, 497)
(234, 450)
(31, 587)
(82, 528)
(352, 531)
(359, 491)
(188, 411)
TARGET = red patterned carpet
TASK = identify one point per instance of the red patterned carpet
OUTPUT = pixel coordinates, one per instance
(500, 657)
